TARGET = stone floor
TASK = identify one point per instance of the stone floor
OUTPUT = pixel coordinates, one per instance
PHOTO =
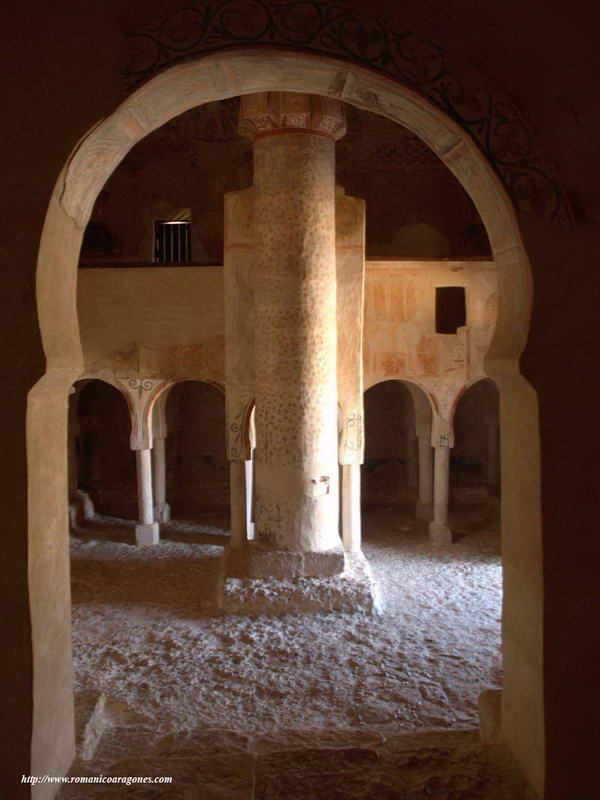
(298, 765)
(321, 705)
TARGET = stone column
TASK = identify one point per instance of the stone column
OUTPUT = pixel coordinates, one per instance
(439, 532)
(142, 394)
(350, 258)
(249, 469)
(424, 509)
(295, 330)
(238, 503)
(147, 530)
(162, 510)
(250, 479)
(351, 517)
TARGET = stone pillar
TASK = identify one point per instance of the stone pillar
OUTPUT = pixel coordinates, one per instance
(162, 510)
(350, 257)
(146, 531)
(351, 517)
(142, 394)
(250, 464)
(238, 503)
(424, 509)
(439, 532)
(295, 329)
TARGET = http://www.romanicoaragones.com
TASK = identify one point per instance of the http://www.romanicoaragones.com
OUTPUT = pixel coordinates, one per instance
(125, 780)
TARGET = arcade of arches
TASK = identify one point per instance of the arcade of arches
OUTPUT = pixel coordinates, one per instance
(283, 485)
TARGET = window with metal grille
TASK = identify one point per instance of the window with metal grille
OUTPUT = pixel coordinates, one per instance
(450, 309)
(172, 242)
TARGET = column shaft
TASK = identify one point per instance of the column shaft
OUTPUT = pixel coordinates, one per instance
(162, 511)
(439, 532)
(249, 478)
(146, 530)
(295, 343)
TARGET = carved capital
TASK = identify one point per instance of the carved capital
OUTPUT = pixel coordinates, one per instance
(239, 405)
(141, 394)
(267, 113)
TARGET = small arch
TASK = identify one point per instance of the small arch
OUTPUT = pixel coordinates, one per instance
(102, 463)
(391, 453)
(197, 470)
(475, 458)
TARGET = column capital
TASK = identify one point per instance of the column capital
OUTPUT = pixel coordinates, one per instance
(267, 113)
(141, 395)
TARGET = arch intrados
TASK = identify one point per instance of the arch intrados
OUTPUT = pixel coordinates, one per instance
(486, 385)
(423, 405)
(95, 378)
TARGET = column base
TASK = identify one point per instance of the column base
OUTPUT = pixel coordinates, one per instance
(352, 590)
(490, 703)
(439, 533)
(424, 511)
(162, 512)
(253, 560)
(81, 508)
(147, 534)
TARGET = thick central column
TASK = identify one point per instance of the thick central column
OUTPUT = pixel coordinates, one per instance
(296, 494)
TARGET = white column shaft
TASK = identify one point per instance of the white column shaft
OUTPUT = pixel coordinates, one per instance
(249, 485)
(144, 484)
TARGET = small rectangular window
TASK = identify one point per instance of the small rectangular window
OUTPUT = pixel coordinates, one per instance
(450, 309)
(172, 242)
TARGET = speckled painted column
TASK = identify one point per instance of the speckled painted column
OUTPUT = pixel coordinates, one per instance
(296, 494)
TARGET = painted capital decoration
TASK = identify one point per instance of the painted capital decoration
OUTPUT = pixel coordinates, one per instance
(493, 122)
(141, 394)
(239, 405)
(278, 111)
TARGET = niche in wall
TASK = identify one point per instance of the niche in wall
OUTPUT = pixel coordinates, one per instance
(450, 309)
